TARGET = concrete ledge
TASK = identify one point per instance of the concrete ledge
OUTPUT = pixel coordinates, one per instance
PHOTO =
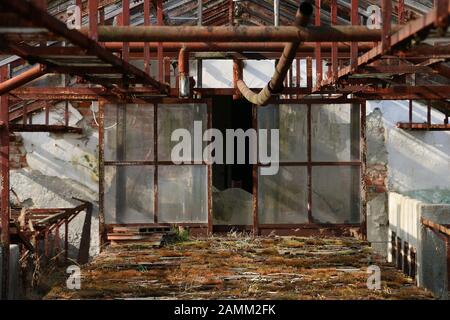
(407, 234)
(14, 272)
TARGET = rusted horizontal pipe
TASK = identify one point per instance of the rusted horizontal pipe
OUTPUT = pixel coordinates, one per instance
(234, 46)
(236, 34)
(22, 79)
(275, 84)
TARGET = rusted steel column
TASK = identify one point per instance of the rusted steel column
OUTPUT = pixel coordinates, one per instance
(24, 114)
(386, 26)
(410, 113)
(146, 44)
(93, 19)
(354, 45)
(442, 7)
(231, 12)
(23, 78)
(4, 185)
(309, 78)
(237, 75)
(318, 51)
(200, 61)
(57, 243)
(101, 16)
(46, 243)
(101, 172)
(183, 70)
(160, 21)
(126, 22)
(285, 62)
(401, 11)
(334, 47)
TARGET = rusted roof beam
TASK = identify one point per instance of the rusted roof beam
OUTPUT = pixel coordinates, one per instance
(42, 19)
(405, 33)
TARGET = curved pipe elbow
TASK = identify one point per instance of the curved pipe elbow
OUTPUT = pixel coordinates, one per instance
(275, 85)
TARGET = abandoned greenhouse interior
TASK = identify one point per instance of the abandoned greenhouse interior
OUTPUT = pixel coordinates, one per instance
(225, 149)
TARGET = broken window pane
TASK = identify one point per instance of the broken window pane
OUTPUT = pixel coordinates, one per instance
(335, 132)
(128, 194)
(335, 197)
(129, 132)
(282, 198)
(182, 194)
(291, 120)
(179, 116)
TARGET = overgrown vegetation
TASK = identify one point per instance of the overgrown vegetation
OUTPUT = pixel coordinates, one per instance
(238, 266)
(181, 234)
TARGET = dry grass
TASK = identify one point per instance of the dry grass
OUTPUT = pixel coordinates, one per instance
(238, 266)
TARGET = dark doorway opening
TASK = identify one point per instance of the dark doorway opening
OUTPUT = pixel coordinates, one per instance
(232, 114)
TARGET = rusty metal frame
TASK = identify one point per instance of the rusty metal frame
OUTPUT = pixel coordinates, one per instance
(4, 186)
(401, 92)
(359, 228)
(155, 163)
(46, 222)
(42, 18)
(395, 38)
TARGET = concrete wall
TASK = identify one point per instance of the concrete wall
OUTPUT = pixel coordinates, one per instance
(14, 290)
(60, 167)
(431, 259)
(410, 163)
(416, 159)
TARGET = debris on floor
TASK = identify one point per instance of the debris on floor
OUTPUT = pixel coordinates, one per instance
(239, 267)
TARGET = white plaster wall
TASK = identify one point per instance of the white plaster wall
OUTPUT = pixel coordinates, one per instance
(416, 160)
(217, 74)
(60, 167)
(67, 156)
(257, 73)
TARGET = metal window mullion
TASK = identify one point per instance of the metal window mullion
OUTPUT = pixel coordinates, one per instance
(155, 158)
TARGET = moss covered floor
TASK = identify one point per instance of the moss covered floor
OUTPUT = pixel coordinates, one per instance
(239, 267)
